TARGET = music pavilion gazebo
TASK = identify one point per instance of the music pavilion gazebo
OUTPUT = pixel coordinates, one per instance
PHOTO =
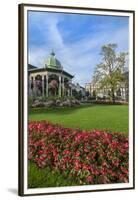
(51, 80)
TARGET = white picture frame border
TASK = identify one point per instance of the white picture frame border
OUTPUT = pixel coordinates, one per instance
(23, 134)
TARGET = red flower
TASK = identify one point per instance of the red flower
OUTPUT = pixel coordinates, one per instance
(89, 179)
(40, 152)
(77, 165)
(66, 152)
(77, 154)
(124, 170)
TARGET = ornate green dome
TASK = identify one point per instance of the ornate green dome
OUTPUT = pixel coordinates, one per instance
(52, 62)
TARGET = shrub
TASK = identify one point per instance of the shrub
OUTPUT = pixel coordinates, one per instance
(30, 101)
(106, 102)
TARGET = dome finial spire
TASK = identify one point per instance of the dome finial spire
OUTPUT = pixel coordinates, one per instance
(52, 53)
(52, 62)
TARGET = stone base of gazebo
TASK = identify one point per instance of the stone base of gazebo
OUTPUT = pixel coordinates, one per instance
(66, 102)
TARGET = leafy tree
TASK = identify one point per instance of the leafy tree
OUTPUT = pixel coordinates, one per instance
(110, 72)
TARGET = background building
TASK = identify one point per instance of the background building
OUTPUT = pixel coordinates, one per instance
(94, 90)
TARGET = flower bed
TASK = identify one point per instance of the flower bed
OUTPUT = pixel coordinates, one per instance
(90, 157)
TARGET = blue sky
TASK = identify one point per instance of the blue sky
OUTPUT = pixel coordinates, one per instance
(76, 40)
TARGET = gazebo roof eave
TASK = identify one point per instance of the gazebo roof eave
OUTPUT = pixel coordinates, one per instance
(50, 70)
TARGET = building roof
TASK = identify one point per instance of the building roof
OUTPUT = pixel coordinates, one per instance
(31, 67)
(52, 62)
(50, 70)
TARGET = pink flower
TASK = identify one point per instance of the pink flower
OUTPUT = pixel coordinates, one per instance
(89, 179)
(66, 152)
(77, 165)
(40, 152)
(77, 154)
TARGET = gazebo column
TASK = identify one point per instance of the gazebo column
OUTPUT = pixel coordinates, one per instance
(29, 86)
(34, 88)
(71, 91)
(68, 92)
(63, 86)
(43, 94)
(47, 86)
(70, 88)
(59, 89)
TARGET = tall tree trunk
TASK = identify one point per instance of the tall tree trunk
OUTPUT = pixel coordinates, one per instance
(113, 95)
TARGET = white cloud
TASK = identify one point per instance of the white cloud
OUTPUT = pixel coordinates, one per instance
(77, 58)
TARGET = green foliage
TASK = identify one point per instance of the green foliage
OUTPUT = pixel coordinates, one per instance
(38, 177)
(30, 101)
(77, 94)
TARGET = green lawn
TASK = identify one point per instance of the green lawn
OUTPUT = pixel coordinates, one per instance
(86, 117)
